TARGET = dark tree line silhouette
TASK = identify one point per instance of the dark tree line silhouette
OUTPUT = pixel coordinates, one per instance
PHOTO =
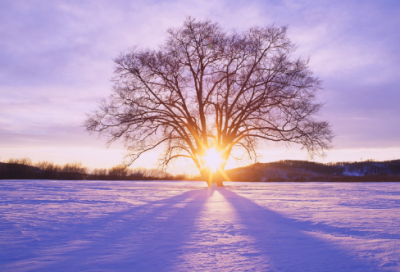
(25, 169)
(287, 170)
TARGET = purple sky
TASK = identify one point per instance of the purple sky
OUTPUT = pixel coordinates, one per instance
(56, 63)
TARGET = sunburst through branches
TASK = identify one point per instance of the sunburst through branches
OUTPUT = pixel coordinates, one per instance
(212, 159)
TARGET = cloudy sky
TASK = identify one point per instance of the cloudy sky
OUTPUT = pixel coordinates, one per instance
(56, 64)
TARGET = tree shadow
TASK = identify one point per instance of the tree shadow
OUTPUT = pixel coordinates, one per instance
(287, 243)
(146, 238)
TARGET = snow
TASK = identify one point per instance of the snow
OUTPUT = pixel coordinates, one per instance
(183, 226)
(355, 173)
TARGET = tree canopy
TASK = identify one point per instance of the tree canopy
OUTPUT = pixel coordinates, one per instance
(206, 87)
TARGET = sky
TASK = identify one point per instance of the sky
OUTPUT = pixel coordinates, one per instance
(56, 63)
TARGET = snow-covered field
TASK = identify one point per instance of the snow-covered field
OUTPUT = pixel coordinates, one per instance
(184, 226)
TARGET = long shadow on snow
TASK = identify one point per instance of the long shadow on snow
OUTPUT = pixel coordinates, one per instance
(287, 244)
(49, 241)
(151, 242)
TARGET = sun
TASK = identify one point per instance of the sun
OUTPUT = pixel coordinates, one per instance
(213, 159)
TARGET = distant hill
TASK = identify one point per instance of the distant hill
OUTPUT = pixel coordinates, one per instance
(15, 170)
(289, 170)
(23, 169)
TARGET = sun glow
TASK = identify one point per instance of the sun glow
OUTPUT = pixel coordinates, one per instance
(213, 159)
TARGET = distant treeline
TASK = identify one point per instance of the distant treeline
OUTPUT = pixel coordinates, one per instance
(287, 170)
(290, 170)
(25, 169)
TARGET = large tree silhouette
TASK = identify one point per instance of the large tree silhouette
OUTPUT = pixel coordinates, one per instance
(205, 88)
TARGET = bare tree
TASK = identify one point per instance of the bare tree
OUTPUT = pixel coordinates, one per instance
(205, 88)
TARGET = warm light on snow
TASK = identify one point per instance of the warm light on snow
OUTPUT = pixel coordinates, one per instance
(176, 226)
(213, 159)
(89, 225)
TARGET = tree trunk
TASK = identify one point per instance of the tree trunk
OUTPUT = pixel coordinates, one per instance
(218, 179)
(211, 178)
(207, 176)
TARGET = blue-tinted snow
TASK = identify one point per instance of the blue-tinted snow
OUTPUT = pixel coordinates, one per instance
(183, 226)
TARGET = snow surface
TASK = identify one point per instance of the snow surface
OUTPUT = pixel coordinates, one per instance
(183, 226)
